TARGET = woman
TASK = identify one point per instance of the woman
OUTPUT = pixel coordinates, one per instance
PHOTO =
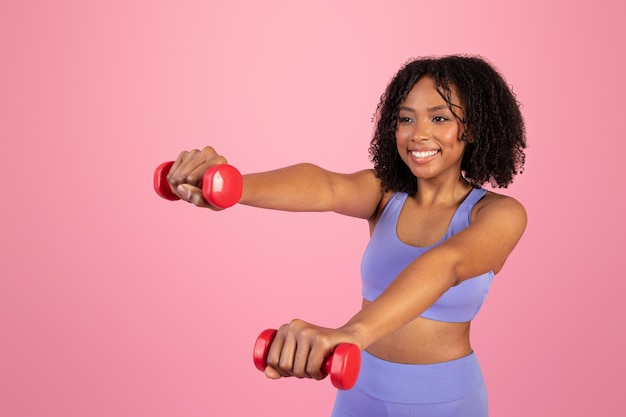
(445, 126)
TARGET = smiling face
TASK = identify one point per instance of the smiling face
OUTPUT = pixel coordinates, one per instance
(428, 134)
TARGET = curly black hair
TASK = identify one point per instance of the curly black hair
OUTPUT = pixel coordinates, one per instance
(494, 126)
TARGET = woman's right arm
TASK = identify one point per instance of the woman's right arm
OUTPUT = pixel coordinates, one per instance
(301, 187)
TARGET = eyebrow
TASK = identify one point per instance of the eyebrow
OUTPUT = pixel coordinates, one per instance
(430, 109)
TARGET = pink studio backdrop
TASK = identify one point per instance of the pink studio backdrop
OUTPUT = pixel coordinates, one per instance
(114, 302)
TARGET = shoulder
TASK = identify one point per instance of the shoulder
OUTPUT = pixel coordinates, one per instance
(497, 223)
(495, 201)
(356, 194)
(501, 209)
(385, 200)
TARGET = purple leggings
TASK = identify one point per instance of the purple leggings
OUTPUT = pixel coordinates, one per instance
(386, 389)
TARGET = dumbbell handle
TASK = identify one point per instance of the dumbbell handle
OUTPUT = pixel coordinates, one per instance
(222, 184)
(342, 365)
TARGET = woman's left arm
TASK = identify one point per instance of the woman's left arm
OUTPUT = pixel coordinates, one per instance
(498, 223)
(496, 228)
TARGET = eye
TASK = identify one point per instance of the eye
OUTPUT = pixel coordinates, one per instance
(404, 119)
(439, 119)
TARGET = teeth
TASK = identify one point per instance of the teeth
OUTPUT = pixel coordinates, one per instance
(424, 154)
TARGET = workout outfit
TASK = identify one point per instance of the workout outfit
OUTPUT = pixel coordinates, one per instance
(447, 389)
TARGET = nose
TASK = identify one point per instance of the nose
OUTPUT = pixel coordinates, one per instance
(421, 131)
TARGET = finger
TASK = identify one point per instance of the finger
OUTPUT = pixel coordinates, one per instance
(170, 175)
(179, 159)
(192, 195)
(174, 173)
(287, 355)
(195, 167)
(274, 353)
(195, 173)
(209, 153)
(301, 360)
(191, 163)
(272, 373)
(315, 365)
(189, 167)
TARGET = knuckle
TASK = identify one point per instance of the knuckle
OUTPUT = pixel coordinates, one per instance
(322, 342)
(174, 180)
(284, 329)
(171, 178)
(295, 324)
(313, 372)
(306, 333)
(192, 179)
(272, 362)
(209, 150)
(217, 160)
(285, 367)
(189, 155)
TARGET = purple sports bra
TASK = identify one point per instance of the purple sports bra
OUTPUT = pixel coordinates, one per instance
(386, 256)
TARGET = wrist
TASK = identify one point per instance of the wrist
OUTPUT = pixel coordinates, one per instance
(358, 333)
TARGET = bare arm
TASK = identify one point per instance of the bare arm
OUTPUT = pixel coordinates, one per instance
(302, 187)
(483, 246)
(307, 187)
(497, 225)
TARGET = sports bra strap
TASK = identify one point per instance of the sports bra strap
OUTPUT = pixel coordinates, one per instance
(474, 197)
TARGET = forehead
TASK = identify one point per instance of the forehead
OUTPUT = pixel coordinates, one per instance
(425, 91)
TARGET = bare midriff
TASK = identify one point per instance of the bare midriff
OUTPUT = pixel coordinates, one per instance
(424, 341)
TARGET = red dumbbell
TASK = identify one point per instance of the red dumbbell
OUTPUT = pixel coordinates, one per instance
(222, 184)
(343, 365)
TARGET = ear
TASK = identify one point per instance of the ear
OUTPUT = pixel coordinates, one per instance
(467, 138)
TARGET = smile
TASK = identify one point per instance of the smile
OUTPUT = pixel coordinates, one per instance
(426, 154)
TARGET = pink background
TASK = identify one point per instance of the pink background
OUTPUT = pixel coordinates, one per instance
(114, 302)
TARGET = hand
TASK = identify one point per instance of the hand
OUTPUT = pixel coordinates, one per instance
(185, 176)
(300, 349)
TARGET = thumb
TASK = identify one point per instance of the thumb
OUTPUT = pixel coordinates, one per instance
(271, 373)
(192, 194)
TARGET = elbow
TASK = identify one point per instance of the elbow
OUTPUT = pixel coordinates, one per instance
(449, 262)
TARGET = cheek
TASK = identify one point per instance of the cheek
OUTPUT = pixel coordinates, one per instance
(401, 140)
(453, 137)
(400, 144)
(403, 134)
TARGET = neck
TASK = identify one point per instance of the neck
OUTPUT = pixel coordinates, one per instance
(437, 193)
